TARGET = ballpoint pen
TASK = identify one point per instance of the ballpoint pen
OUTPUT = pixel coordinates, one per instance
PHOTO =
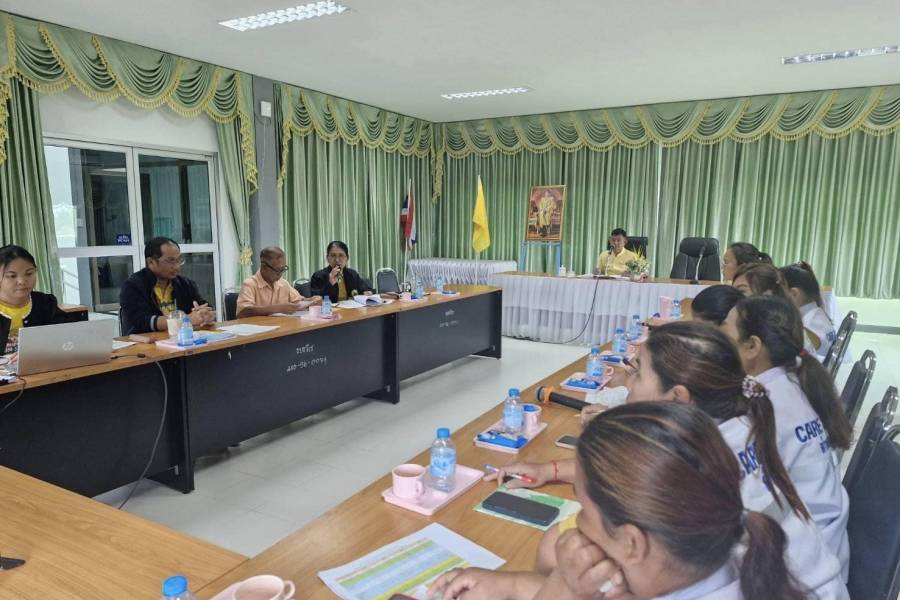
(525, 478)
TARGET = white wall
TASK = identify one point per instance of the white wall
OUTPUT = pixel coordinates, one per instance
(73, 115)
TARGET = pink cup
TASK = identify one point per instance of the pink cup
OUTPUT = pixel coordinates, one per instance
(315, 311)
(531, 417)
(264, 587)
(409, 481)
(406, 296)
(665, 307)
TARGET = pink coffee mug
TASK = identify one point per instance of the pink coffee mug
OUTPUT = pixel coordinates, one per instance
(409, 481)
(531, 416)
(406, 296)
(264, 587)
(315, 311)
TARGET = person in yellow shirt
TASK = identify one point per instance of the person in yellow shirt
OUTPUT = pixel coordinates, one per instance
(613, 262)
(20, 305)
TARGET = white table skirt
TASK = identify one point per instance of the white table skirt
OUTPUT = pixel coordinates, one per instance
(455, 270)
(557, 309)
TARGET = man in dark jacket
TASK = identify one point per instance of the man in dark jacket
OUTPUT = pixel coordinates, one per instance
(154, 292)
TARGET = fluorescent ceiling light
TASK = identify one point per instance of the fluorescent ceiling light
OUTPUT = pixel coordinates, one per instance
(501, 92)
(823, 56)
(286, 15)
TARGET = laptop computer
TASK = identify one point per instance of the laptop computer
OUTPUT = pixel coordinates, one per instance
(55, 347)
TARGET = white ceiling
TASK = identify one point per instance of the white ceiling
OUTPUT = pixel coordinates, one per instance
(402, 54)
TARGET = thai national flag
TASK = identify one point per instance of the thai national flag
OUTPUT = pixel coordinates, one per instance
(408, 219)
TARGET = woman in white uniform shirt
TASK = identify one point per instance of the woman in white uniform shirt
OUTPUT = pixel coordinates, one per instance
(808, 415)
(663, 517)
(805, 293)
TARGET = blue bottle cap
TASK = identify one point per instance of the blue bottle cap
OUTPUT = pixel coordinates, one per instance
(513, 391)
(619, 330)
(443, 432)
(595, 350)
(174, 586)
(638, 317)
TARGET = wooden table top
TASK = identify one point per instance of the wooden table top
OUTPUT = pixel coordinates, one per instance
(75, 547)
(365, 522)
(127, 358)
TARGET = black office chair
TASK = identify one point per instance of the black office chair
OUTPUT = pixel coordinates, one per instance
(873, 527)
(636, 244)
(303, 287)
(880, 419)
(854, 391)
(386, 281)
(230, 300)
(838, 349)
(689, 252)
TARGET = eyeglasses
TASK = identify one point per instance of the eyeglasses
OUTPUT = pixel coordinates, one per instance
(172, 261)
(283, 269)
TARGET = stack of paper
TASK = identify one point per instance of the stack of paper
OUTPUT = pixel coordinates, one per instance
(243, 329)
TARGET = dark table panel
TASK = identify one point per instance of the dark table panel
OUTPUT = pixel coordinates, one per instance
(431, 336)
(95, 434)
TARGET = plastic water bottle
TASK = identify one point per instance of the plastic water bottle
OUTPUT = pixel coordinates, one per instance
(513, 413)
(326, 305)
(420, 289)
(619, 346)
(635, 332)
(186, 333)
(593, 370)
(439, 285)
(562, 271)
(443, 462)
(676, 309)
(176, 588)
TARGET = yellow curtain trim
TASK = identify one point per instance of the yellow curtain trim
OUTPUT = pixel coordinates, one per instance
(246, 256)
(10, 44)
(149, 103)
(4, 115)
(286, 134)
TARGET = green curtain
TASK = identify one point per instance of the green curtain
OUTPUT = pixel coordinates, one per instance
(830, 114)
(333, 190)
(49, 59)
(238, 189)
(832, 202)
(604, 190)
(26, 211)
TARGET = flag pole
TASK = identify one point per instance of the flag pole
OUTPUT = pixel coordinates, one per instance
(477, 252)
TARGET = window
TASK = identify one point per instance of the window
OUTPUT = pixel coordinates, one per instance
(108, 201)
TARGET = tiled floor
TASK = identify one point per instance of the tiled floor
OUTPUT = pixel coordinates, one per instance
(251, 496)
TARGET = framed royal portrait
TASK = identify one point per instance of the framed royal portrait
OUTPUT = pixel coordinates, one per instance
(546, 207)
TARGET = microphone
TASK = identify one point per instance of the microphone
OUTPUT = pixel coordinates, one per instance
(696, 279)
(546, 394)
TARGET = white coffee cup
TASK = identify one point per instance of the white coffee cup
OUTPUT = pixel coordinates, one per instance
(315, 310)
(408, 481)
(264, 587)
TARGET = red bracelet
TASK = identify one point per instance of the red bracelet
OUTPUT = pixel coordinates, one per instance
(555, 471)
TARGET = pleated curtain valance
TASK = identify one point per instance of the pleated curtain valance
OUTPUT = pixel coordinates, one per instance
(787, 117)
(304, 111)
(50, 59)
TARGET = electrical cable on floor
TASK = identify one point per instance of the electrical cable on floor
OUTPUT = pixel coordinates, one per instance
(589, 316)
(14, 400)
(162, 424)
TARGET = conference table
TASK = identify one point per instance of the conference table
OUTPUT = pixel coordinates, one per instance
(75, 547)
(587, 310)
(91, 429)
(365, 522)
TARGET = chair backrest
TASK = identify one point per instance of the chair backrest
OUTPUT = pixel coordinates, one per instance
(230, 302)
(386, 281)
(303, 287)
(636, 244)
(879, 420)
(836, 353)
(689, 250)
(854, 391)
(874, 525)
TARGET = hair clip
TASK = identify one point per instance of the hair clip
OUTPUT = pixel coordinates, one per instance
(752, 388)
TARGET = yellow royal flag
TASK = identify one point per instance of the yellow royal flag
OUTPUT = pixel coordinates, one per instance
(481, 233)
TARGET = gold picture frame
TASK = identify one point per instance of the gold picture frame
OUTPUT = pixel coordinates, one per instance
(546, 208)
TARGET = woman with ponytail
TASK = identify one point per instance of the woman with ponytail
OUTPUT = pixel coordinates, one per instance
(741, 253)
(808, 415)
(805, 293)
(663, 516)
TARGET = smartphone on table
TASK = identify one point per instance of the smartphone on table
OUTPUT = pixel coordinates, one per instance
(567, 441)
